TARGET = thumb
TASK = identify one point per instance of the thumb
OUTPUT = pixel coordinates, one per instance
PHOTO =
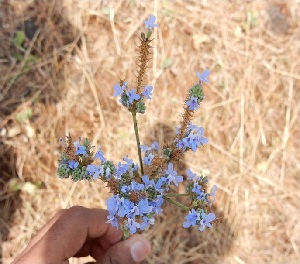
(133, 250)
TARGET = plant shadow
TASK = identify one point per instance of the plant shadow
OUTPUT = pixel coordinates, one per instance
(200, 247)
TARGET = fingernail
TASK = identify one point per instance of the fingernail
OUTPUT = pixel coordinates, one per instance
(139, 249)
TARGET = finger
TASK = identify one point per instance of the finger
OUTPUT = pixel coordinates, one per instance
(133, 250)
(98, 246)
(40, 233)
(69, 233)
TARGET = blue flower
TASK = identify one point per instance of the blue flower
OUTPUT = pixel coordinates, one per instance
(121, 169)
(128, 161)
(181, 145)
(172, 175)
(100, 155)
(203, 76)
(153, 146)
(146, 222)
(112, 205)
(147, 182)
(132, 95)
(148, 91)
(125, 206)
(132, 225)
(118, 89)
(148, 159)
(144, 207)
(197, 189)
(107, 173)
(194, 127)
(144, 148)
(134, 186)
(113, 220)
(191, 175)
(95, 170)
(125, 188)
(213, 193)
(73, 164)
(150, 22)
(80, 150)
(206, 219)
(195, 139)
(192, 103)
(156, 205)
(135, 211)
(160, 182)
(191, 219)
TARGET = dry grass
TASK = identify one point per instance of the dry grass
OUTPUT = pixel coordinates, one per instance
(251, 116)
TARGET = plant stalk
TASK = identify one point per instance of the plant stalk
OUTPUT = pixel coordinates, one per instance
(176, 203)
(137, 138)
(176, 194)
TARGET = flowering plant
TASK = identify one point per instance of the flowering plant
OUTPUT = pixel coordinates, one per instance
(139, 190)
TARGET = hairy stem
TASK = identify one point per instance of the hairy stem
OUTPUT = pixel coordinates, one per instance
(176, 194)
(137, 138)
(176, 203)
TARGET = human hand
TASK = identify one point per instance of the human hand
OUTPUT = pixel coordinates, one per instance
(81, 232)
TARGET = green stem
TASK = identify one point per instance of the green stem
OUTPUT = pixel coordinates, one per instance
(176, 194)
(149, 33)
(176, 203)
(136, 131)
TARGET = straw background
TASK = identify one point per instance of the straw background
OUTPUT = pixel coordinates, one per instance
(250, 115)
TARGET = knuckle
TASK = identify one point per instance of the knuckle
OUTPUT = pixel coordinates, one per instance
(78, 212)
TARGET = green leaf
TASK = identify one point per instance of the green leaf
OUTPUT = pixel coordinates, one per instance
(19, 38)
(24, 115)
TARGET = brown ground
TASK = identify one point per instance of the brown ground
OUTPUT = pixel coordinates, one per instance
(61, 81)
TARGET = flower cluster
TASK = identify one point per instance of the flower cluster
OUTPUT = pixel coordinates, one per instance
(139, 190)
(192, 139)
(131, 99)
(200, 199)
(74, 159)
(196, 94)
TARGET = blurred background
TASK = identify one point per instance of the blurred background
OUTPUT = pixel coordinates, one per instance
(59, 61)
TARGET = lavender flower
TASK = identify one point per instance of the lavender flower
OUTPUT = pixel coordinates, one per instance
(80, 150)
(192, 103)
(193, 140)
(191, 175)
(73, 164)
(213, 194)
(100, 155)
(147, 181)
(132, 225)
(153, 146)
(172, 175)
(206, 220)
(203, 76)
(95, 170)
(191, 219)
(148, 91)
(150, 22)
(147, 221)
(136, 186)
(132, 95)
(118, 89)
(148, 159)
